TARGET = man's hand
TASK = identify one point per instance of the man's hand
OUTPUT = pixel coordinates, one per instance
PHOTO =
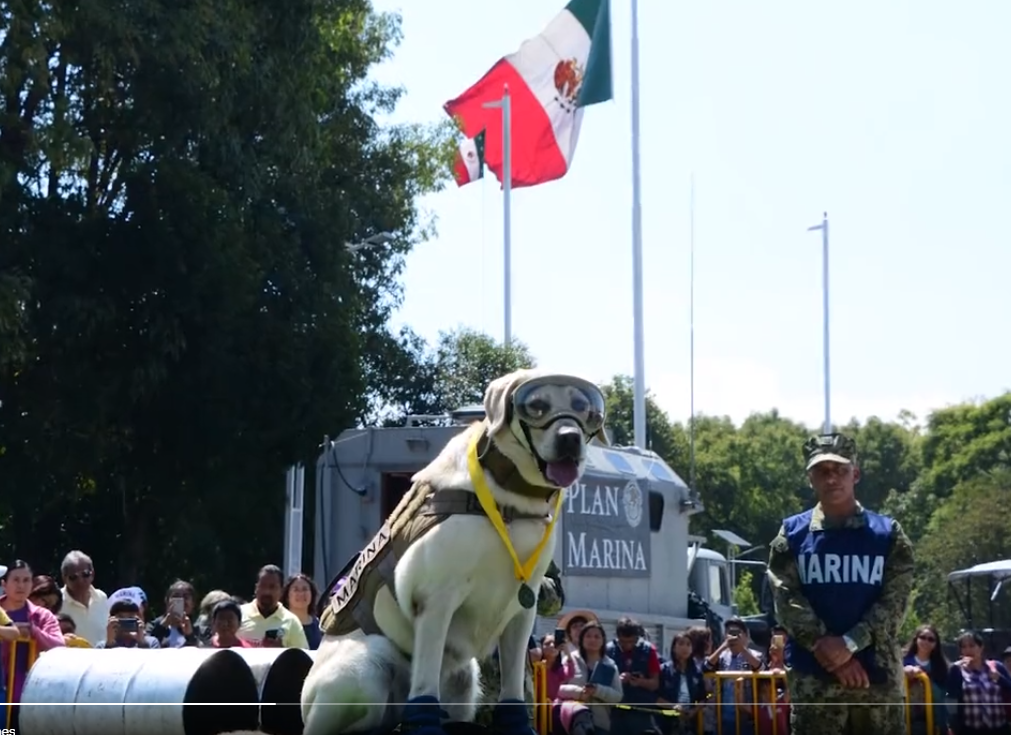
(852, 675)
(736, 642)
(111, 631)
(832, 653)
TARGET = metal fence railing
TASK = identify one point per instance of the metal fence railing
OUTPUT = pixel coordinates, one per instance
(10, 674)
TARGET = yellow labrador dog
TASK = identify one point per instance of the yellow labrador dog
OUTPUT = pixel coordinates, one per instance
(413, 618)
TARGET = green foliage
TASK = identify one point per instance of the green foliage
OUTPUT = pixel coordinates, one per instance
(434, 382)
(661, 434)
(744, 595)
(179, 317)
(970, 527)
(466, 361)
(948, 483)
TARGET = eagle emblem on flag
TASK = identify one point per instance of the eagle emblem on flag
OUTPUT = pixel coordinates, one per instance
(568, 80)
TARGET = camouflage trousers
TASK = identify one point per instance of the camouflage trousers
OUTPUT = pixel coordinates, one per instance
(821, 707)
(491, 686)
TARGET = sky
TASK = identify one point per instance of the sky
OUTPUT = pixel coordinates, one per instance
(892, 117)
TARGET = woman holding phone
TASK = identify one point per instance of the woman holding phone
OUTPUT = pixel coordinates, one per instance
(771, 694)
(175, 628)
(595, 683)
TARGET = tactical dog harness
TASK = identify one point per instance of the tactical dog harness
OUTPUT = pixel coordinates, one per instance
(351, 607)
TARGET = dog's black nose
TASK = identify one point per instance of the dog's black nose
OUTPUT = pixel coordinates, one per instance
(568, 442)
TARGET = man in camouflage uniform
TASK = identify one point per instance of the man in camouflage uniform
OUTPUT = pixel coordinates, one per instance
(841, 578)
(550, 600)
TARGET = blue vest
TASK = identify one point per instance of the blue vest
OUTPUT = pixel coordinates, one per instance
(841, 570)
(639, 664)
(670, 681)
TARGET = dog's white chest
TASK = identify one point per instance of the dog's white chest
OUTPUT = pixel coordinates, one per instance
(465, 557)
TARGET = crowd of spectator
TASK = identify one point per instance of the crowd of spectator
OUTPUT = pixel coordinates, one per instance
(627, 685)
(35, 608)
(595, 685)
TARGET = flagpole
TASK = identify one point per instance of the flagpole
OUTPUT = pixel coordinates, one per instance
(639, 347)
(691, 337)
(825, 321)
(507, 190)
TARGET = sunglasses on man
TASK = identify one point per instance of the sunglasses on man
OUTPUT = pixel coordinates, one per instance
(84, 574)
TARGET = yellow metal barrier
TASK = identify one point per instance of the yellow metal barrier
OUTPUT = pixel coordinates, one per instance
(763, 683)
(542, 706)
(740, 677)
(12, 651)
(928, 701)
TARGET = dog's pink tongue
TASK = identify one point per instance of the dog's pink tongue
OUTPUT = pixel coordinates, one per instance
(562, 473)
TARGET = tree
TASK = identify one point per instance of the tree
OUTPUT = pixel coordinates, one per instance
(177, 184)
(662, 436)
(964, 441)
(744, 595)
(889, 459)
(466, 361)
(959, 443)
(455, 373)
(968, 528)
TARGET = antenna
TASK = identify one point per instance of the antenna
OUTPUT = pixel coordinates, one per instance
(691, 348)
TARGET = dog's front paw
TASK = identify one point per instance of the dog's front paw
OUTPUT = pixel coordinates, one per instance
(423, 716)
(511, 718)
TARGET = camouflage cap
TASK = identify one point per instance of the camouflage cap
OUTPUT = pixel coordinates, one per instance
(829, 448)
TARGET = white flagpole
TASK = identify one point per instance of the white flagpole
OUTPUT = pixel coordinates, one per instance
(824, 280)
(639, 347)
(691, 347)
(507, 189)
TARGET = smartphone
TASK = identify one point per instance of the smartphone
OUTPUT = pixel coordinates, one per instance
(559, 636)
(274, 634)
(779, 641)
(177, 607)
(129, 625)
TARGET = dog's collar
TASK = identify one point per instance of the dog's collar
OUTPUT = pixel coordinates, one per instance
(507, 475)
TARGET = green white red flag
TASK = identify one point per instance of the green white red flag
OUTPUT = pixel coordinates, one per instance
(551, 79)
(469, 163)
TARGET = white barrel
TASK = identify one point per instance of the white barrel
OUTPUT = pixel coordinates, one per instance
(126, 691)
(279, 675)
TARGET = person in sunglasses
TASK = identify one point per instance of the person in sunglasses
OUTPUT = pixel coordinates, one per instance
(87, 605)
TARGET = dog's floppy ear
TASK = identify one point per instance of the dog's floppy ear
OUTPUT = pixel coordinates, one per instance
(496, 401)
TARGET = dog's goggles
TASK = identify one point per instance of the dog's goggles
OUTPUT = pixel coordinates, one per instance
(544, 400)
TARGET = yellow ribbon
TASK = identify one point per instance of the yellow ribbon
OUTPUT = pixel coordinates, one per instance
(490, 507)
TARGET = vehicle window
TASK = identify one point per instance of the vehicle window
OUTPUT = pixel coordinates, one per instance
(718, 593)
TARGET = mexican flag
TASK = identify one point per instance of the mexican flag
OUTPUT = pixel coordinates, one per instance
(551, 79)
(469, 163)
